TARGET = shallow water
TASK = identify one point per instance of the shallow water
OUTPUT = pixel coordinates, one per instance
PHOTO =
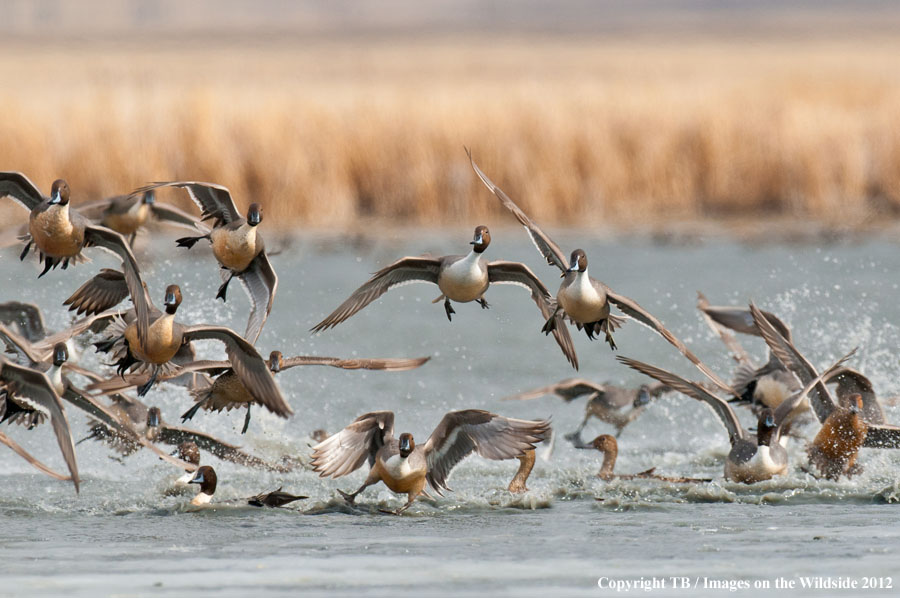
(122, 536)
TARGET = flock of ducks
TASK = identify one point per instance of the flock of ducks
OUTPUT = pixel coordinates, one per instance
(147, 345)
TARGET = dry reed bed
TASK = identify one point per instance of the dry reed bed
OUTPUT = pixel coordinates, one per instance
(337, 135)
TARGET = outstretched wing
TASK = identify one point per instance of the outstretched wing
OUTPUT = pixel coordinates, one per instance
(738, 352)
(104, 291)
(345, 452)
(404, 271)
(27, 316)
(214, 200)
(20, 188)
(388, 365)
(260, 281)
(491, 436)
(28, 457)
(568, 390)
(545, 245)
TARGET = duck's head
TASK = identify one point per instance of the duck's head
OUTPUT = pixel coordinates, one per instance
(276, 361)
(149, 197)
(577, 262)
(407, 444)
(206, 477)
(605, 443)
(172, 299)
(60, 354)
(643, 396)
(153, 417)
(482, 239)
(59, 192)
(254, 214)
(765, 427)
(853, 403)
(188, 451)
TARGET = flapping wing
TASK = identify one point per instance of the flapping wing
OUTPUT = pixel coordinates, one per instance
(214, 200)
(34, 462)
(388, 365)
(253, 372)
(545, 245)
(34, 389)
(568, 390)
(630, 308)
(345, 452)
(852, 381)
(695, 391)
(116, 384)
(738, 352)
(19, 345)
(175, 435)
(260, 282)
(104, 291)
(788, 405)
(741, 320)
(502, 272)
(491, 436)
(822, 402)
(404, 271)
(113, 241)
(172, 215)
(27, 316)
(20, 188)
(45, 347)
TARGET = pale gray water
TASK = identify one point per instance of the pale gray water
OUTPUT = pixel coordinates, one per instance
(122, 537)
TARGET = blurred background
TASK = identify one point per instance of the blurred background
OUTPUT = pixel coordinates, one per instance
(345, 115)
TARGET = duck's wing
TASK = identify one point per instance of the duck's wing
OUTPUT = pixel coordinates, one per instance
(857, 382)
(113, 241)
(44, 348)
(19, 345)
(34, 389)
(117, 384)
(883, 436)
(260, 282)
(503, 272)
(104, 291)
(20, 188)
(631, 308)
(474, 430)
(741, 320)
(175, 435)
(695, 391)
(568, 390)
(782, 348)
(27, 316)
(172, 215)
(406, 270)
(785, 408)
(28, 457)
(346, 451)
(738, 352)
(387, 364)
(545, 245)
(94, 210)
(252, 370)
(214, 200)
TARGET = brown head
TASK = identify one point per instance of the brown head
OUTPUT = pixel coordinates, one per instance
(154, 417)
(60, 354)
(482, 239)
(853, 403)
(206, 477)
(59, 192)
(578, 261)
(172, 299)
(765, 427)
(407, 444)
(254, 214)
(605, 443)
(189, 451)
(276, 361)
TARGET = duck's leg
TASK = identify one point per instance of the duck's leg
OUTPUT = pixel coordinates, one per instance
(189, 242)
(575, 437)
(25, 251)
(550, 324)
(131, 239)
(190, 413)
(448, 308)
(246, 420)
(145, 388)
(351, 498)
(483, 303)
(410, 497)
(609, 337)
(224, 288)
(48, 263)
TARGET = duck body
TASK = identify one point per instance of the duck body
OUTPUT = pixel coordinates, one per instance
(463, 278)
(835, 448)
(125, 215)
(749, 462)
(402, 474)
(57, 232)
(236, 244)
(583, 299)
(164, 339)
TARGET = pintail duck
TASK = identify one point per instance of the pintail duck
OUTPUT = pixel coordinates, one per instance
(32, 389)
(126, 214)
(844, 430)
(405, 467)
(206, 477)
(166, 337)
(60, 234)
(750, 459)
(758, 387)
(225, 390)
(236, 244)
(609, 447)
(582, 299)
(611, 404)
(460, 278)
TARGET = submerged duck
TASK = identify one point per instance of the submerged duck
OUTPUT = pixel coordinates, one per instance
(237, 246)
(460, 278)
(526, 464)
(166, 337)
(126, 214)
(611, 404)
(609, 447)
(206, 477)
(60, 234)
(750, 459)
(405, 467)
(582, 299)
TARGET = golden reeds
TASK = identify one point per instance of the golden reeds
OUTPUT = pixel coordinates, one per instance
(579, 132)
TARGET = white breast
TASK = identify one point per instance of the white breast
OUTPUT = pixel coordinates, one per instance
(55, 375)
(464, 280)
(202, 499)
(398, 467)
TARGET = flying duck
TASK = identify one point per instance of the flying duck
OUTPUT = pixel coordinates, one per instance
(405, 467)
(126, 214)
